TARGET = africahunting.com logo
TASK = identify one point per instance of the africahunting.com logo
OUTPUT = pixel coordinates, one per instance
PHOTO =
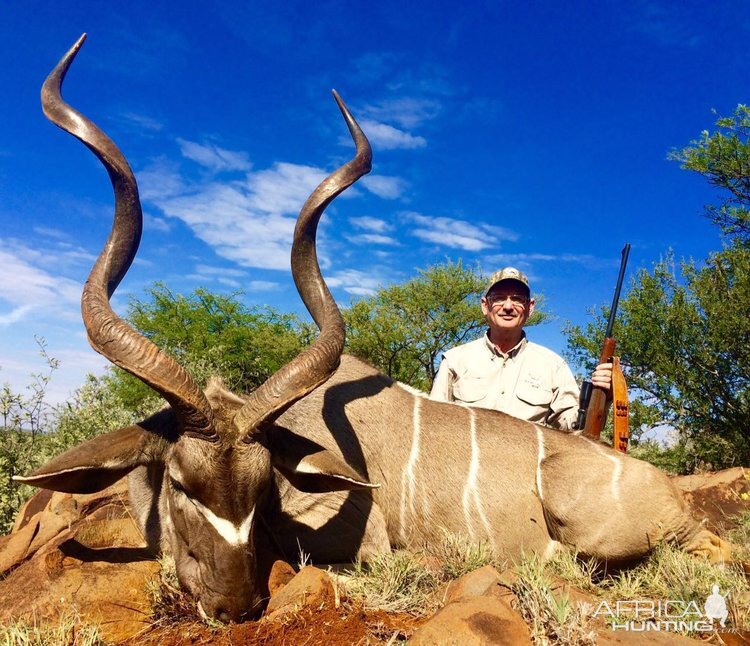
(641, 615)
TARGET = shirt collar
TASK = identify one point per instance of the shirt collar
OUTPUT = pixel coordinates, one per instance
(512, 353)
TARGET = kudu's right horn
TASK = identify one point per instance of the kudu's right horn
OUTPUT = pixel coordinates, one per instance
(109, 334)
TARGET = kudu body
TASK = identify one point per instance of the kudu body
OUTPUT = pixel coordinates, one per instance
(213, 475)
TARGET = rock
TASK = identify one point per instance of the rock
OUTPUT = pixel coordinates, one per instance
(473, 621)
(310, 588)
(86, 558)
(474, 584)
(717, 496)
(281, 574)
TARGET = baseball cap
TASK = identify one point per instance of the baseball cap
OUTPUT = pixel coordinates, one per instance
(508, 273)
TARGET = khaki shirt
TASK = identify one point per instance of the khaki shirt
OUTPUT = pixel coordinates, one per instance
(529, 382)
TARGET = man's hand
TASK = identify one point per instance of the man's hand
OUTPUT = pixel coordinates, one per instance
(602, 378)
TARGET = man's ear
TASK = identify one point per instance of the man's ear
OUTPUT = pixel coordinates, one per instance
(309, 466)
(532, 302)
(485, 305)
(98, 463)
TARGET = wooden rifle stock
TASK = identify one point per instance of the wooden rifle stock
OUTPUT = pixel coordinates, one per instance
(596, 416)
(596, 413)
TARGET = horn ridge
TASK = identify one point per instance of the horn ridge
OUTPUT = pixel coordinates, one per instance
(108, 334)
(317, 363)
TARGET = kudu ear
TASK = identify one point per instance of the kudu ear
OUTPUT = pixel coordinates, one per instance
(310, 467)
(100, 462)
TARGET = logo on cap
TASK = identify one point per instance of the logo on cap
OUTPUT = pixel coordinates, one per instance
(508, 273)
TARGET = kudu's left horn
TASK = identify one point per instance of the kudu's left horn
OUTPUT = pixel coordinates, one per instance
(315, 364)
(108, 334)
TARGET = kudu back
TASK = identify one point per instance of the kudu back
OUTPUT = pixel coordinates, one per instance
(291, 464)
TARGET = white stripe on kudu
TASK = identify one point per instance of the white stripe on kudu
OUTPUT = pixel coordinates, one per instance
(233, 534)
(539, 459)
(614, 483)
(471, 491)
(407, 477)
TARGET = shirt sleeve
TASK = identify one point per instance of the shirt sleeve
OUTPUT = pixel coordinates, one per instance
(442, 387)
(564, 405)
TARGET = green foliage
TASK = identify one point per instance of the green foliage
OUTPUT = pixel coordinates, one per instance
(403, 329)
(723, 158)
(32, 432)
(211, 334)
(23, 445)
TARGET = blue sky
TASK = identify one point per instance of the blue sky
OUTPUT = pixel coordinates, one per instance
(532, 134)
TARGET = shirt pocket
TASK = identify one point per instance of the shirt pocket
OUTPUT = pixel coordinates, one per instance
(470, 389)
(536, 396)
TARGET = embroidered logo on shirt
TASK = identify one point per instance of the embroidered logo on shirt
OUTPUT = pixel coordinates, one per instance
(533, 381)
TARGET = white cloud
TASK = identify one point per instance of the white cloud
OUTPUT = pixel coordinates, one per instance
(250, 221)
(142, 121)
(262, 286)
(384, 186)
(152, 223)
(407, 112)
(208, 270)
(213, 157)
(284, 187)
(15, 315)
(25, 287)
(52, 233)
(368, 223)
(354, 282)
(525, 259)
(386, 137)
(373, 238)
(160, 180)
(451, 232)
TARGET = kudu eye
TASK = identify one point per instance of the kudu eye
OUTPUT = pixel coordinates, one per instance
(176, 486)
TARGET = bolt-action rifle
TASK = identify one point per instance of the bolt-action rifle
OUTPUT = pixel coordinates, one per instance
(592, 411)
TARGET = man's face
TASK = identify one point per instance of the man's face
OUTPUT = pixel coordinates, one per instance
(506, 306)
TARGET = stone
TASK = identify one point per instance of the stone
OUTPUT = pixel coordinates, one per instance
(281, 574)
(310, 588)
(474, 584)
(87, 558)
(473, 621)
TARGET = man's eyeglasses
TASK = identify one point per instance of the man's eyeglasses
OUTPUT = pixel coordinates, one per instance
(495, 300)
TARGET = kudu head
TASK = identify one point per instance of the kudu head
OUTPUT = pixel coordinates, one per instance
(214, 456)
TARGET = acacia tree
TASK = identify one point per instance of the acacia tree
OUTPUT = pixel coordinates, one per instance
(683, 330)
(210, 334)
(404, 328)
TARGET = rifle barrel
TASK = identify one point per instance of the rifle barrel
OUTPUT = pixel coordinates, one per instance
(616, 299)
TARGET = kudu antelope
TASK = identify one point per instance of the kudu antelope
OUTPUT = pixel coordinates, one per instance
(211, 473)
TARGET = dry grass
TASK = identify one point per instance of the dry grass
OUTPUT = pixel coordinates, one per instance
(68, 630)
(396, 582)
(171, 604)
(552, 618)
(669, 574)
(409, 582)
